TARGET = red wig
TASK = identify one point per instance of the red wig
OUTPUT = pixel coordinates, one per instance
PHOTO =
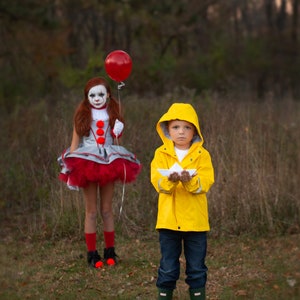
(83, 116)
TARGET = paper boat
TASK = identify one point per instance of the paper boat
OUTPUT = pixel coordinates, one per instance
(176, 168)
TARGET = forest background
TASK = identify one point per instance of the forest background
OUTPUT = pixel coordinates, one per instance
(237, 62)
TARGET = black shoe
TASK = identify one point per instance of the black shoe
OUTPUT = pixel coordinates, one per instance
(94, 259)
(110, 256)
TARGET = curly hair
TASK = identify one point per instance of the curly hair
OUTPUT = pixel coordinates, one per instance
(83, 115)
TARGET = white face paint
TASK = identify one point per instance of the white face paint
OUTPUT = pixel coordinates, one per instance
(97, 96)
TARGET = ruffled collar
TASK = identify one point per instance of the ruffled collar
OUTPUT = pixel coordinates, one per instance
(103, 107)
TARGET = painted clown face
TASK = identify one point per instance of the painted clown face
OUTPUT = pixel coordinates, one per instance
(98, 96)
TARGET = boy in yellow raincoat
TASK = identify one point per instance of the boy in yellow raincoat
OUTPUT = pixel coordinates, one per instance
(182, 173)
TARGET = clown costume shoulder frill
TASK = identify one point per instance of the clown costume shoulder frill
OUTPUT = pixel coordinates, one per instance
(97, 159)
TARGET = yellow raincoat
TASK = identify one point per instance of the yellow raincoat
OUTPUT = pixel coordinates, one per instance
(182, 206)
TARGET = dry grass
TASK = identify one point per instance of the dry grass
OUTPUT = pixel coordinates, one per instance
(254, 147)
(255, 151)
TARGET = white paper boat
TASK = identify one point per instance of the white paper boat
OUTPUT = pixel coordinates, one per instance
(175, 168)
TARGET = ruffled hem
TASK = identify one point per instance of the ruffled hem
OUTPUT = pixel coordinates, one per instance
(81, 171)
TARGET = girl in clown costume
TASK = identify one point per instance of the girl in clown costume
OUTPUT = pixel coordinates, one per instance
(95, 161)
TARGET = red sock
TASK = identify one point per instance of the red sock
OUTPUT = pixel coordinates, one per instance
(90, 239)
(109, 239)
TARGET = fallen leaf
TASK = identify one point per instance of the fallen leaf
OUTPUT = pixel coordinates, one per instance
(241, 293)
(291, 282)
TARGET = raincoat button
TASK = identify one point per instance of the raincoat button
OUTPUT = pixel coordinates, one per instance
(178, 227)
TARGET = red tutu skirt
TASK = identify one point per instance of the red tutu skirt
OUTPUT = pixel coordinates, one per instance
(82, 171)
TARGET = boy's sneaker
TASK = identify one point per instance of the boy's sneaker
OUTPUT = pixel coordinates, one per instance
(94, 259)
(110, 256)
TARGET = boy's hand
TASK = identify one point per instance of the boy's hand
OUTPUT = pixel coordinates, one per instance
(185, 176)
(174, 177)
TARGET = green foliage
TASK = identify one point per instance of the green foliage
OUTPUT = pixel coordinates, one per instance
(205, 46)
(71, 76)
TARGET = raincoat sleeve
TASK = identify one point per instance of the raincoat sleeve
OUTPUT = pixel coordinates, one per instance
(160, 182)
(204, 178)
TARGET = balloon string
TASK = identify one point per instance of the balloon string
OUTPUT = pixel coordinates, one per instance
(123, 192)
(120, 85)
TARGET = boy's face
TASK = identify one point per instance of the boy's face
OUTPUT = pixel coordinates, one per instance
(181, 133)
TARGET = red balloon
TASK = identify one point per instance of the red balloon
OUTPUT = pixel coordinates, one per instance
(118, 65)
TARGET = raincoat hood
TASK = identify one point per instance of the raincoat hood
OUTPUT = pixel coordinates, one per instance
(178, 111)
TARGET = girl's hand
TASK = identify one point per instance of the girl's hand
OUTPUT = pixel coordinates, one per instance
(118, 128)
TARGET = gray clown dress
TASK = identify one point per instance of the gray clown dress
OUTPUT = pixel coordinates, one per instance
(96, 159)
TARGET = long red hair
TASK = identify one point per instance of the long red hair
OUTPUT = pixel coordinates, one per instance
(83, 115)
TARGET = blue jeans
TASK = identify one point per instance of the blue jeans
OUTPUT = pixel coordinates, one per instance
(194, 245)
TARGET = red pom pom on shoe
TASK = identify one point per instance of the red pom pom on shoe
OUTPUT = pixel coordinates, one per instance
(110, 262)
(98, 264)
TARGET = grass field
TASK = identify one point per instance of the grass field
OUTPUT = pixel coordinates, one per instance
(255, 150)
(239, 268)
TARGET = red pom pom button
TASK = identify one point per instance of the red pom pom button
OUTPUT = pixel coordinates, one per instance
(101, 140)
(100, 131)
(100, 124)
